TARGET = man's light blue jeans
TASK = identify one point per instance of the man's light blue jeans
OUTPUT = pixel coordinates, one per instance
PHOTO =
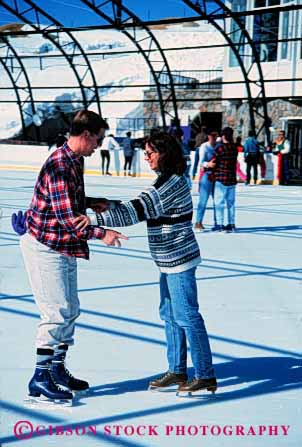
(53, 279)
(224, 194)
(179, 310)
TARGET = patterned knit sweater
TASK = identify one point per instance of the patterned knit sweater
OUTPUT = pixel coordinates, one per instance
(167, 207)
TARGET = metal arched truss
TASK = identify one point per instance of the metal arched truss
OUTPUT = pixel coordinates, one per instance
(247, 62)
(121, 18)
(66, 43)
(118, 15)
(20, 81)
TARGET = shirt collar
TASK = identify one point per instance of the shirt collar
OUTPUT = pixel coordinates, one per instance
(71, 154)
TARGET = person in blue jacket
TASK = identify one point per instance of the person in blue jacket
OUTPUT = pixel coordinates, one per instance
(251, 157)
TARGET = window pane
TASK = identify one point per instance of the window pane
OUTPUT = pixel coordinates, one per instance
(285, 33)
(236, 34)
(266, 31)
(263, 3)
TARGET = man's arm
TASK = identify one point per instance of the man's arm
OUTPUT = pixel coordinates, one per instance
(61, 192)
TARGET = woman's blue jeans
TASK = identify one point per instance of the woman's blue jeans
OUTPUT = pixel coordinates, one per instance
(179, 310)
(206, 188)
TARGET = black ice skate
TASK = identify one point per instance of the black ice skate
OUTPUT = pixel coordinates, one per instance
(195, 385)
(43, 389)
(64, 378)
(168, 379)
(230, 228)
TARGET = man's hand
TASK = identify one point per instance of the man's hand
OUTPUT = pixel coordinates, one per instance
(19, 222)
(113, 238)
(81, 222)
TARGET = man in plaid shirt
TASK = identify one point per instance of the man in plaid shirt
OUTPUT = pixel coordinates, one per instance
(225, 162)
(50, 249)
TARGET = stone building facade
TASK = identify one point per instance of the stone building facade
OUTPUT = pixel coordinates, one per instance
(189, 101)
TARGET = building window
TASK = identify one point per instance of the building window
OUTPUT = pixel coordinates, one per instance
(285, 35)
(264, 3)
(236, 34)
(286, 32)
(265, 33)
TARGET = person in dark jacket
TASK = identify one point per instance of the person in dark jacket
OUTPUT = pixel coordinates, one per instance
(128, 149)
(251, 157)
(225, 162)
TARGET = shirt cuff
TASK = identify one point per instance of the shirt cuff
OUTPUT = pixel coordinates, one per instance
(97, 233)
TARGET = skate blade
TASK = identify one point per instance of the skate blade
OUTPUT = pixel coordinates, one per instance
(165, 389)
(191, 394)
(43, 403)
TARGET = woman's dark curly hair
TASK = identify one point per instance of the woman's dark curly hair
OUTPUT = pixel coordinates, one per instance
(171, 159)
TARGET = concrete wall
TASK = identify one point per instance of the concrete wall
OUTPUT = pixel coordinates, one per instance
(32, 157)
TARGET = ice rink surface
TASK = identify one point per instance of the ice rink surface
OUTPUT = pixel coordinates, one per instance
(250, 294)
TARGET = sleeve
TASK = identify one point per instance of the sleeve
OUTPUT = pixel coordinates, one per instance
(286, 148)
(245, 148)
(115, 144)
(61, 191)
(150, 204)
(202, 156)
(123, 215)
(219, 151)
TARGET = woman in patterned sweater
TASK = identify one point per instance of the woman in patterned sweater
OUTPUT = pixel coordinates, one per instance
(167, 208)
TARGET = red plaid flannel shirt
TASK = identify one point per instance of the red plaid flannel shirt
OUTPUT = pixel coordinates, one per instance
(59, 196)
(225, 157)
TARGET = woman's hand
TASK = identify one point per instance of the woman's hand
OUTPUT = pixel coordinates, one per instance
(211, 164)
(81, 222)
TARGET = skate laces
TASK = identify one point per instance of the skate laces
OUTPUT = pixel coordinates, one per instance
(59, 387)
(66, 371)
(69, 373)
(166, 374)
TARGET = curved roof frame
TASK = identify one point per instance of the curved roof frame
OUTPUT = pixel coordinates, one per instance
(118, 15)
(246, 62)
(17, 74)
(121, 18)
(68, 47)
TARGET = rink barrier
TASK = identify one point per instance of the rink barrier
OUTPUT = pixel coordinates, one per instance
(16, 157)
